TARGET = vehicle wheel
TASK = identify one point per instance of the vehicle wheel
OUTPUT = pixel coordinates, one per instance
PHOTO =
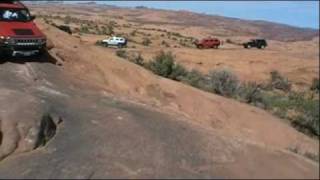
(120, 46)
(200, 47)
(1, 55)
(262, 47)
(248, 46)
(105, 44)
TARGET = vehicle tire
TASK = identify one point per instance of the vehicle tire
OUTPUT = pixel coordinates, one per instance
(1, 55)
(262, 47)
(120, 46)
(248, 46)
(105, 44)
(42, 51)
(200, 47)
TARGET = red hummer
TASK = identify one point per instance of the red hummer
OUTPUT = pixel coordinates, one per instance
(208, 43)
(19, 35)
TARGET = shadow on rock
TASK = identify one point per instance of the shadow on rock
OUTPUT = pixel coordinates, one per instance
(44, 58)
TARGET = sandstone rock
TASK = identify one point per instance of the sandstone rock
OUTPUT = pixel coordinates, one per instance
(23, 120)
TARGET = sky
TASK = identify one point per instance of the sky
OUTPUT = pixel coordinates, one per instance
(295, 13)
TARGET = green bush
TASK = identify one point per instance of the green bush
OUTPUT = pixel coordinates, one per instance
(122, 53)
(315, 85)
(302, 111)
(195, 79)
(84, 29)
(279, 82)
(67, 19)
(251, 93)
(223, 82)
(178, 72)
(165, 65)
(307, 119)
(138, 60)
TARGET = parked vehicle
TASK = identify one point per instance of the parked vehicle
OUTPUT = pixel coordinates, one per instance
(19, 35)
(208, 43)
(258, 43)
(115, 41)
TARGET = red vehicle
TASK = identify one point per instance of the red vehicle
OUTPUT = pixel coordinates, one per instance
(19, 35)
(208, 43)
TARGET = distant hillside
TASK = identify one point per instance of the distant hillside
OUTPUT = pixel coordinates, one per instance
(216, 25)
(235, 27)
(222, 26)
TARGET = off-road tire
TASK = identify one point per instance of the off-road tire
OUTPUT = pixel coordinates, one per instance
(200, 46)
(262, 47)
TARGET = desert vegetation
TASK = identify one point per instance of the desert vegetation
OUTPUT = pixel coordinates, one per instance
(275, 95)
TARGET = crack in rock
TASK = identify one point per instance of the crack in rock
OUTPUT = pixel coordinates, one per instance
(25, 123)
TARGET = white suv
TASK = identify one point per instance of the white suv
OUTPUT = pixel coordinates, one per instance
(115, 41)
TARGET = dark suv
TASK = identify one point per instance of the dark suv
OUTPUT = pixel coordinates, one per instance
(258, 43)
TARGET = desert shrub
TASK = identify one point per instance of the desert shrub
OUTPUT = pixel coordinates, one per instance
(195, 79)
(122, 53)
(84, 29)
(138, 60)
(146, 42)
(315, 86)
(223, 82)
(178, 72)
(109, 29)
(164, 43)
(67, 20)
(251, 93)
(133, 33)
(307, 119)
(302, 111)
(184, 42)
(279, 82)
(311, 156)
(277, 104)
(228, 41)
(164, 65)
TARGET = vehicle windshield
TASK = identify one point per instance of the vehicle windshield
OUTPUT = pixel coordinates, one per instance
(15, 15)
